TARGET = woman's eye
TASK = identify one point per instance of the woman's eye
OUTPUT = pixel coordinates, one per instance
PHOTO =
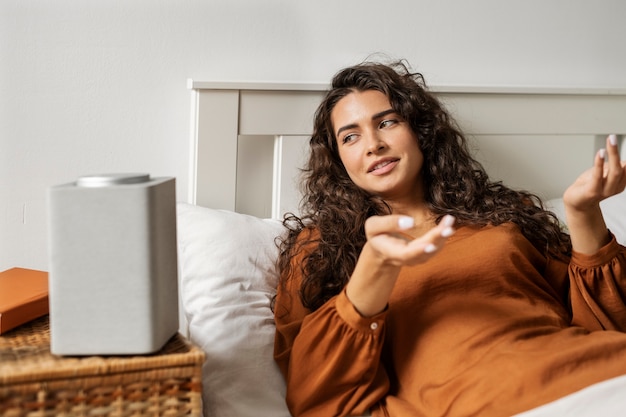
(387, 123)
(348, 138)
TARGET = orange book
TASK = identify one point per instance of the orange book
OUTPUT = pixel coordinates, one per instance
(23, 296)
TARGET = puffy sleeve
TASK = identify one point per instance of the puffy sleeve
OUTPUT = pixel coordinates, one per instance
(330, 358)
(598, 288)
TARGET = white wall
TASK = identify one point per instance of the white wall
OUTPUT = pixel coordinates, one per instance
(100, 86)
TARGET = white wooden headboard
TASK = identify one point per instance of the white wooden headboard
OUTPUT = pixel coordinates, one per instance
(249, 139)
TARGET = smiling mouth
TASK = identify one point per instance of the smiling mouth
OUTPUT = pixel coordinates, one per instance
(382, 164)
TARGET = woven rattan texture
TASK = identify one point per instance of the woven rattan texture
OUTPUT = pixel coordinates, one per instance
(33, 382)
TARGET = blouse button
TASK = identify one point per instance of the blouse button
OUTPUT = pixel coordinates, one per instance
(374, 326)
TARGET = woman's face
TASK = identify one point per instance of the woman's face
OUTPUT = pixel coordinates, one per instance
(377, 147)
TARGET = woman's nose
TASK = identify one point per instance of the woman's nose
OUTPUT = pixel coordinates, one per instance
(375, 143)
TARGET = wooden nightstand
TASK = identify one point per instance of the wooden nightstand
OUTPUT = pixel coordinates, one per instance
(34, 382)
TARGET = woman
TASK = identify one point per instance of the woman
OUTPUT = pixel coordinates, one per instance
(413, 285)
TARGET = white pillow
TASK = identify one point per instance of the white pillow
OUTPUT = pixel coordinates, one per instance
(228, 277)
(613, 209)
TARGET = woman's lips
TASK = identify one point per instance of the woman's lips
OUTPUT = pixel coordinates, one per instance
(383, 166)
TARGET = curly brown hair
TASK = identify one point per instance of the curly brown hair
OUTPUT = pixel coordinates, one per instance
(454, 183)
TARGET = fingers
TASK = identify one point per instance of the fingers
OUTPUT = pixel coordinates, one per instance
(612, 152)
(392, 223)
(437, 236)
(389, 238)
(613, 173)
(395, 223)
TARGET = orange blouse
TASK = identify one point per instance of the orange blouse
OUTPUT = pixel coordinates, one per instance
(488, 327)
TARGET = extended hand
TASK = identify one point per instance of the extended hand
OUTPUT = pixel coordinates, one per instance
(386, 238)
(582, 199)
(386, 251)
(603, 180)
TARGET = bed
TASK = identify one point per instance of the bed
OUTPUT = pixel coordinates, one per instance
(247, 142)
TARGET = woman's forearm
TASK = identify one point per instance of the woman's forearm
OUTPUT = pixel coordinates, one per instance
(587, 229)
(371, 283)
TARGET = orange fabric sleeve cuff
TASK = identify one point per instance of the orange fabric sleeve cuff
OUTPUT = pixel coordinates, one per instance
(601, 257)
(350, 315)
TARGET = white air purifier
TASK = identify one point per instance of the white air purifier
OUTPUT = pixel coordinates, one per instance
(113, 265)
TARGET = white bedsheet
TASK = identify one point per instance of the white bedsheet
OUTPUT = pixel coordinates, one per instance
(605, 399)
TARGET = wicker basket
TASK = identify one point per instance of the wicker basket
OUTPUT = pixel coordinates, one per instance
(33, 382)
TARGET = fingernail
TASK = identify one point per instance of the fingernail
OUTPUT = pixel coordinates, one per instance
(430, 248)
(448, 220)
(447, 232)
(613, 140)
(406, 222)
(602, 153)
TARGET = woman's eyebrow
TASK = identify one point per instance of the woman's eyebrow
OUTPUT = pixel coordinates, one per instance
(382, 114)
(346, 127)
(374, 117)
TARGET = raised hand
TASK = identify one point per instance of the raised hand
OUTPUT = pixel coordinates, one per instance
(607, 177)
(387, 250)
(603, 180)
(385, 235)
